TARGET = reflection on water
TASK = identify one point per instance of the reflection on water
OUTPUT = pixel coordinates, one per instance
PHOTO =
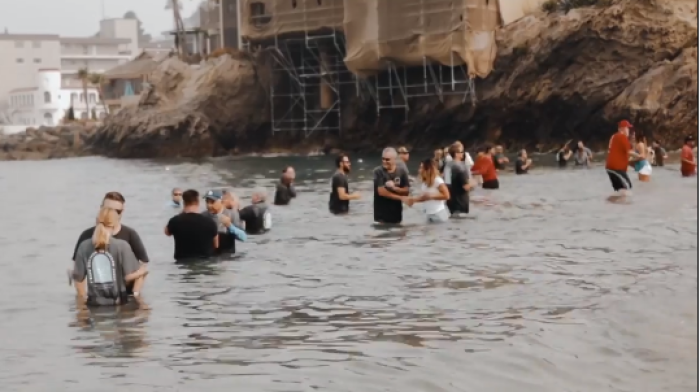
(545, 287)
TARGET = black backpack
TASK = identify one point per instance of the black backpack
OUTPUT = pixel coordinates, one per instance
(104, 280)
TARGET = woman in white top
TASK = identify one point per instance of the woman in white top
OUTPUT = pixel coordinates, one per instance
(434, 193)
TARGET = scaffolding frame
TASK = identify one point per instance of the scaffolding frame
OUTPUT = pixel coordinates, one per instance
(392, 89)
(303, 65)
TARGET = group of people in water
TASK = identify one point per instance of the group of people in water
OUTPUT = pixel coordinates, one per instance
(110, 260)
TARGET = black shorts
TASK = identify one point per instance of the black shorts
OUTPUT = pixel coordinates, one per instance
(490, 184)
(619, 179)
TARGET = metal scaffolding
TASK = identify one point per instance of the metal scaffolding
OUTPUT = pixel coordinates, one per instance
(394, 88)
(308, 76)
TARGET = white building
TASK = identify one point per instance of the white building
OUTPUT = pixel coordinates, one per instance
(24, 54)
(48, 100)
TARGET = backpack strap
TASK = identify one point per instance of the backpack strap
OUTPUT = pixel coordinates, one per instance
(119, 279)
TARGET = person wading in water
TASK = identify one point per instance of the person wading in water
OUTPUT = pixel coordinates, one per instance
(434, 193)
(390, 185)
(105, 265)
(339, 202)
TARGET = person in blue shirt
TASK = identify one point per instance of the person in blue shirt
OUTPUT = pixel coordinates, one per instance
(225, 220)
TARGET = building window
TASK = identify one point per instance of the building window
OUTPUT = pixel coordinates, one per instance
(84, 116)
(20, 61)
(257, 14)
(73, 98)
(37, 61)
(48, 119)
(31, 100)
(86, 50)
(36, 44)
(92, 97)
(82, 97)
(47, 97)
(19, 44)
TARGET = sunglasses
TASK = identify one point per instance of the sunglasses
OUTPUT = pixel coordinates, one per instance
(177, 194)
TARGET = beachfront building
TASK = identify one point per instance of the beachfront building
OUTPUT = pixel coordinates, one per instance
(23, 55)
(46, 102)
(122, 85)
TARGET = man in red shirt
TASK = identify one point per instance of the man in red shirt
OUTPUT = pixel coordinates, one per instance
(616, 163)
(688, 164)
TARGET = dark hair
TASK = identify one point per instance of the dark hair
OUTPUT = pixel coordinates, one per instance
(116, 196)
(339, 159)
(190, 197)
(486, 148)
(429, 171)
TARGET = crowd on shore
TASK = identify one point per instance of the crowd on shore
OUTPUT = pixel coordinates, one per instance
(110, 260)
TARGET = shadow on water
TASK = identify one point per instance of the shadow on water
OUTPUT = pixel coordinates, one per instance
(544, 287)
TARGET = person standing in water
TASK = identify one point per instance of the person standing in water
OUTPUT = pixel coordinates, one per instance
(583, 156)
(523, 163)
(116, 201)
(460, 181)
(619, 151)
(564, 155)
(257, 217)
(660, 155)
(688, 163)
(196, 236)
(105, 265)
(224, 219)
(391, 184)
(339, 202)
(640, 162)
(484, 167)
(404, 156)
(285, 192)
(434, 193)
(499, 159)
(176, 198)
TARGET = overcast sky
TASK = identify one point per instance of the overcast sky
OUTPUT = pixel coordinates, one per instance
(81, 17)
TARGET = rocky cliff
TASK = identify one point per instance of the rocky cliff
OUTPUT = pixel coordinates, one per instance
(558, 76)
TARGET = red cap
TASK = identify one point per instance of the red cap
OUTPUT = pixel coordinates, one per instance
(624, 124)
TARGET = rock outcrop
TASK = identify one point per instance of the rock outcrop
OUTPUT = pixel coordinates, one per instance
(47, 143)
(190, 111)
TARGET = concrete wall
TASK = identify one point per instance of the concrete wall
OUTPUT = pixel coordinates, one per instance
(22, 57)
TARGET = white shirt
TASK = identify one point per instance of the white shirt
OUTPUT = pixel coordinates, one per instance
(433, 206)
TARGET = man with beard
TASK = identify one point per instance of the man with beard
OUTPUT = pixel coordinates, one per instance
(339, 202)
(390, 185)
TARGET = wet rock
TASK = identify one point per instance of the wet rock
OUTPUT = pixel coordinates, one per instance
(46, 143)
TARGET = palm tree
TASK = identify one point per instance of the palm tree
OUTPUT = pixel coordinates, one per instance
(97, 80)
(84, 76)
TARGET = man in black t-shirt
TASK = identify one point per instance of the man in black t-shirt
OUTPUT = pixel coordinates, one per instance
(115, 201)
(390, 186)
(564, 155)
(196, 236)
(339, 202)
(459, 181)
(523, 163)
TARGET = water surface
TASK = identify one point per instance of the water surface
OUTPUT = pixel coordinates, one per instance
(545, 288)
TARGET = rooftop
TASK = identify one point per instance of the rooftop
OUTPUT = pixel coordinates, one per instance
(142, 65)
(28, 37)
(94, 40)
